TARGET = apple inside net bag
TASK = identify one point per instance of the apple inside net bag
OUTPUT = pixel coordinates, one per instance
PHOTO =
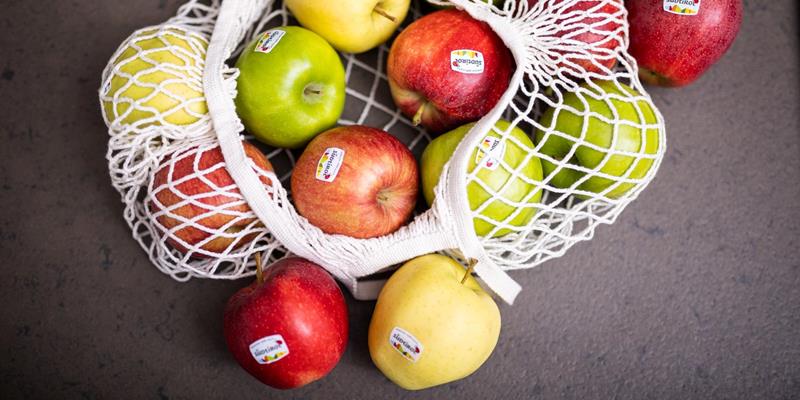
(567, 146)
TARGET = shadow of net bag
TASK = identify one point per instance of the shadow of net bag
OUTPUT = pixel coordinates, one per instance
(202, 202)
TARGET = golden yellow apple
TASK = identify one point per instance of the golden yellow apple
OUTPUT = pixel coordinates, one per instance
(429, 327)
(159, 72)
(352, 26)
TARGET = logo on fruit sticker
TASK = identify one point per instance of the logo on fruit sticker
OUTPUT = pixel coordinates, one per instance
(269, 349)
(405, 344)
(269, 40)
(682, 7)
(466, 61)
(490, 150)
(329, 164)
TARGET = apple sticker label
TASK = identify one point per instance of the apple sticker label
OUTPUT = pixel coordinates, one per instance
(682, 7)
(406, 344)
(329, 164)
(466, 61)
(490, 151)
(269, 40)
(269, 349)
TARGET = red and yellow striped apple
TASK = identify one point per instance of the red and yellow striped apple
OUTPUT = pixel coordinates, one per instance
(288, 328)
(356, 181)
(675, 47)
(602, 33)
(210, 211)
(447, 69)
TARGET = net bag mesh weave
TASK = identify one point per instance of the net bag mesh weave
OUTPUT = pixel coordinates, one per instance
(202, 202)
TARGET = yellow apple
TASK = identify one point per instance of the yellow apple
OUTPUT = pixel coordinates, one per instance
(429, 328)
(160, 72)
(352, 26)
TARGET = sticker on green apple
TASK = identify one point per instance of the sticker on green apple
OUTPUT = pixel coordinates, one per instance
(467, 61)
(269, 349)
(329, 164)
(269, 40)
(491, 150)
(682, 7)
(405, 344)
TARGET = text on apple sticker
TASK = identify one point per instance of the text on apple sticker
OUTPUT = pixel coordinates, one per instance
(466, 61)
(329, 164)
(490, 150)
(269, 349)
(269, 40)
(682, 7)
(405, 344)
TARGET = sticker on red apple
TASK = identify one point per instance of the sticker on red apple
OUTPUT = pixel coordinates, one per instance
(269, 40)
(405, 344)
(329, 164)
(682, 7)
(269, 349)
(466, 61)
(490, 150)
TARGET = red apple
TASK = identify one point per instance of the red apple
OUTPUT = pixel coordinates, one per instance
(196, 173)
(674, 47)
(356, 181)
(290, 328)
(602, 32)
(447, 69)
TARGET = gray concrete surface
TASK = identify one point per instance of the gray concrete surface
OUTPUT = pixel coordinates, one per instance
(693, 294)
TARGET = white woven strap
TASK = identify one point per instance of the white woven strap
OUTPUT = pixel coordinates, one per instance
(454, 189)
(235, 17)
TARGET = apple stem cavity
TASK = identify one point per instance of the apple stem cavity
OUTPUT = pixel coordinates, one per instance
(472, 263)
(312, 93)
(418, 116)
(259, 270)
(385, 14)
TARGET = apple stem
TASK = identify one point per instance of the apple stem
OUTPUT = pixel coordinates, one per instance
(259, 270)
(472, 263)
(418, 116)
(309, 91)
(383, 13)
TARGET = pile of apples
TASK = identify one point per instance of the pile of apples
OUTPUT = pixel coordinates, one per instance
(433, 323)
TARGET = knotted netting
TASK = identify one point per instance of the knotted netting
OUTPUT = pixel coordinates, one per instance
(579, 139)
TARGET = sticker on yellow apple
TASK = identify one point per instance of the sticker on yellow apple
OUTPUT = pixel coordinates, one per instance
(405, 344)
(492, 150)
(682, 7)
(269, 349)
(269, 40)
(329, 164)
(466, 61)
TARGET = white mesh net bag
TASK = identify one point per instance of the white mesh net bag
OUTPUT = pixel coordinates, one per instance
(203, 202)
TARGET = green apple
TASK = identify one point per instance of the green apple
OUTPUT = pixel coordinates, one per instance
(492, 174)
(432, 324)
(160, 69)
(352, 26)
(600, 132)
(291, 86)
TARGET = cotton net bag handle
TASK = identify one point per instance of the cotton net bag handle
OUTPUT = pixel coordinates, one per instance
(448, 224)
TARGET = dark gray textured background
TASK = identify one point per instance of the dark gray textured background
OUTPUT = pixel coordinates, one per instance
(693, 294)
